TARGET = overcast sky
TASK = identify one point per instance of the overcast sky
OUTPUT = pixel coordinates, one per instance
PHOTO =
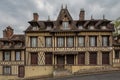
(17, 13)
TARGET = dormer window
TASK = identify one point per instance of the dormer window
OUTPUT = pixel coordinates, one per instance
(103, 27)
(35, 28)
(6, 43)
(91, 27)
(80, 27)
(49, 27)
(18, 44)
(65, 25)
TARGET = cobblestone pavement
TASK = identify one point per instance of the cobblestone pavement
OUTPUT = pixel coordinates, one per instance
(104, 76)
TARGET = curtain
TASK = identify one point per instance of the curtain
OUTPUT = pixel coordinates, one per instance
(48, 42)
(17, 55)
(60, 42)
(7, 56)
(70, 42)
(81, 41)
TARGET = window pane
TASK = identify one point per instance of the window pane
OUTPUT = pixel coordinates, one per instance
(33, 41)
(49, 28)
(80, 27)
(6, 70)
(65, 25)
(7, 55)
(60, 42)
(105, 41)
(70, 42)
(17, 55)
(48, 41)
(48, 58)
(93, 41)
(117, 54)
(81, 41)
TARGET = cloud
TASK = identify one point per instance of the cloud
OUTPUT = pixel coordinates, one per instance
(17, 13)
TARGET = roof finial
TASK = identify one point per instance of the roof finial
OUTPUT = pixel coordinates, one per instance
(103, 16)
(48, 18)
(62, 6)
(66, 6)
(91, 17)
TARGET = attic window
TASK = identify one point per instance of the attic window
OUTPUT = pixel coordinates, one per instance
(65, 25)
(35, 28)
(49, 27)
(18, 44)
(6, 43)
(80, 27)
(91, 27)
(103, 27)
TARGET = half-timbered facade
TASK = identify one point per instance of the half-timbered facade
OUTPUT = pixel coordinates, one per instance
(61, 44)
(68, 44)
(12, 49)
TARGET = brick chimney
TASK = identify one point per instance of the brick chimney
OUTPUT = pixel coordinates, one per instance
(35, 16)
(82, 14)
(8, 32)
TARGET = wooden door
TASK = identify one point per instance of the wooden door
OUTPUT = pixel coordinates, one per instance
(21, 71)
(70, 59)
(105, 58)
(48, 58)
(93, 58)
(34, 58)
(81, 58)
(60, 61)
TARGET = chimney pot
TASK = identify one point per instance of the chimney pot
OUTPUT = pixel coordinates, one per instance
(35, 16)
(8, 32)
(82, 14)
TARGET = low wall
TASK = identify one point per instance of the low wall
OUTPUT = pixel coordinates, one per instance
(35, 71)
(2, 77)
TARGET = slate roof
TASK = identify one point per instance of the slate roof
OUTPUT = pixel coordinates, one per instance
(64, 13)
(12, 42)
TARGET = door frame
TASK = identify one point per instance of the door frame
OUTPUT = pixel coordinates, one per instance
(22, 71)
(31, 58)
(61, 66)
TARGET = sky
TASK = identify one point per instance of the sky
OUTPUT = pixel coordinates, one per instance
(17, 13)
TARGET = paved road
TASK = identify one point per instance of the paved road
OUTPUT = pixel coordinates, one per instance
(104, 76)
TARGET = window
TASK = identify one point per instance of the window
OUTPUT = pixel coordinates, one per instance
(33, 41)
(105, 41)
(34, 58)
(80, 27)
(81, 41)
(6, 56)
(93, 41)
(65, 25)
(91, 27)
(81, 58)
(105, 58)
(103, 27)
(70, 41)
(17, 55)
(60, 42)
(6, 70)
(93, 58)
(48, 41)
(18, 43)
(48, 58)
(117, 54)
(35, 28)
(6, 43)
(48, 27)
(70, 59)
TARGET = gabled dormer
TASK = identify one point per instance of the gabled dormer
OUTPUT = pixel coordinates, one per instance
(34, 23)
(64, 19)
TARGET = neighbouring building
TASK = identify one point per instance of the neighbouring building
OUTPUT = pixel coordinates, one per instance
(62, 44)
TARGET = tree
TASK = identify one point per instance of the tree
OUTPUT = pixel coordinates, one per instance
(117, 27)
